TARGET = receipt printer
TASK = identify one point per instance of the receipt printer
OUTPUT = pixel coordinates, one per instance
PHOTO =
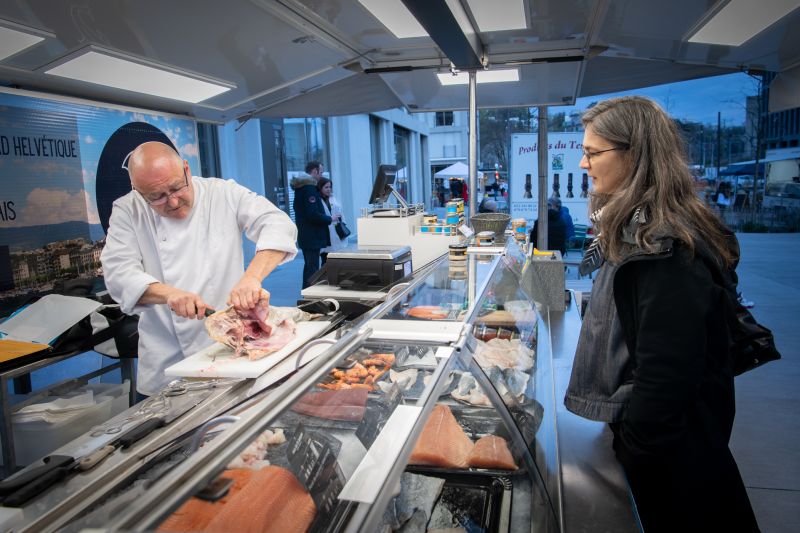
(363, 268)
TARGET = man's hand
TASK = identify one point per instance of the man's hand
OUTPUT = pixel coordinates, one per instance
(246, 293)
(186, 304)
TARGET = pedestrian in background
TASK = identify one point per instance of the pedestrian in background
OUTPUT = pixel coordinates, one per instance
(334, 210)
(653, 354)
(556, 229)
(311, 219)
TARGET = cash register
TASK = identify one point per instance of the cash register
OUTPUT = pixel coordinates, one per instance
(367, 267)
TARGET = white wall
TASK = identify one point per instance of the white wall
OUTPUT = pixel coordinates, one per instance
(240, 154)
(240, 160)
(350, 163)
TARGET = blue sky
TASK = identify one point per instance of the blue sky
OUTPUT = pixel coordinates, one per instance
(695, 100)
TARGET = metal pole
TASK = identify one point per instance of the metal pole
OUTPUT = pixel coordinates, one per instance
(473, 142)
(541, 235)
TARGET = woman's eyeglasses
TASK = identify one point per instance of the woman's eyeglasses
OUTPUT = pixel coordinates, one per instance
(164, 198)
(589, 154)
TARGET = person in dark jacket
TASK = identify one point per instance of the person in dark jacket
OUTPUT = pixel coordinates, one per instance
(569, 225)
(653, 354)
(556, 229)
(311, 219)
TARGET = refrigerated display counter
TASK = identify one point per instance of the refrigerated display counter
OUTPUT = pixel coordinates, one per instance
(438, 409)
(435, 412)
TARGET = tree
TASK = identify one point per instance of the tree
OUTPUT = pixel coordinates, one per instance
(496, 127)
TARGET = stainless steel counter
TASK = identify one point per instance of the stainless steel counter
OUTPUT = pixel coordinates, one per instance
(595, 496)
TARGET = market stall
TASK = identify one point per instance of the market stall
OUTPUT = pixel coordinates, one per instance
(437, 408)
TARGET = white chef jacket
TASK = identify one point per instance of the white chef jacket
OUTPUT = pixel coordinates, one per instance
(201, 253)
(336, 243)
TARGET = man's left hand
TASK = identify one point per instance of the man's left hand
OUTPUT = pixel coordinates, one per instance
(246, 293)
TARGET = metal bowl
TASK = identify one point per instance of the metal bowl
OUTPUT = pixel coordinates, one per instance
(496, 222)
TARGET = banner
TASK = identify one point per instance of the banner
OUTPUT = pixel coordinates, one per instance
(60, 171)
(565, 179)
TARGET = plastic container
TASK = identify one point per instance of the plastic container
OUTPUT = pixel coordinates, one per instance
(36, 439)
(119, 392)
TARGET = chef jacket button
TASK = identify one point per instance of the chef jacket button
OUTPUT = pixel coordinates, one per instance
(163, 238)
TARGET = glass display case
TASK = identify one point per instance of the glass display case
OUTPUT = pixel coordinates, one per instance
(393, 429)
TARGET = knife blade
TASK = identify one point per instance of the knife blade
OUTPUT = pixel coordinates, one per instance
(20, 490)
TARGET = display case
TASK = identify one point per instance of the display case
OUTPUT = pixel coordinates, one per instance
(431, 420)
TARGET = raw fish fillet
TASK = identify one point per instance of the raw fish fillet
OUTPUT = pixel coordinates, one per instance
(492, 451)
(254, 456)
(256, 332)
(443, 442)
(345, 404)
(504, 353)
(195, 514)
(272, 502)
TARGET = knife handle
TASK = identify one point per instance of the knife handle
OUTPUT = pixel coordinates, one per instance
(139, 432)
(90, 461)
(36, 487)
(8, 486)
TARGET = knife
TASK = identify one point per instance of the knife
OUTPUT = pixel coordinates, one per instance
(23, 488)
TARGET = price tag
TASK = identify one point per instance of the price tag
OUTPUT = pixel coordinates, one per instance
(466, 231)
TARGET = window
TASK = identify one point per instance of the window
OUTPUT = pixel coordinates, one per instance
(444, 118)
(402, 153)
(305, 140)
(208, 144)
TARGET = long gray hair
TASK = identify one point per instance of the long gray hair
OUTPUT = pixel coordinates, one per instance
(657, 178)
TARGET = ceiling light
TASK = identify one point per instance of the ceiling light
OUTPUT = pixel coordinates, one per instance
(113, 71)
(498, 15)
(483, 76)
(15, 38)
(396, 17)
(741, 20)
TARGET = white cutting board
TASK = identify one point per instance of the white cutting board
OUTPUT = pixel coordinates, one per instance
(218, 361)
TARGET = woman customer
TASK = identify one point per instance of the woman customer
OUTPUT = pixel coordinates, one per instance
(334, 210)
(652, 358)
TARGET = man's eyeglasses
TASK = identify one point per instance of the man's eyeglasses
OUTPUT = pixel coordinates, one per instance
(589, 154)
(164, 198)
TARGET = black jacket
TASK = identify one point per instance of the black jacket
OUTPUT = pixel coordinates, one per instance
(556, 232)
(674, 433)
(310, 217)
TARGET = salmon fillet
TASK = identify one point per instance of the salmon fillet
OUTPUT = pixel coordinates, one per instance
(195, 514)
(428, 312)
(492, 451)
(443, 442)
(272, 502)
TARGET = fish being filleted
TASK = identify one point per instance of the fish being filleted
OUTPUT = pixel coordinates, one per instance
(257, 332)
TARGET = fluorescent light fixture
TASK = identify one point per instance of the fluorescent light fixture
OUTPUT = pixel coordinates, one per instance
(498, 15)
(112, 71)
(483, 76)
(15, 40)
(741, 20)
(396, 17)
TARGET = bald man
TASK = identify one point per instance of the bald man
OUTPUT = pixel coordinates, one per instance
(174, 249)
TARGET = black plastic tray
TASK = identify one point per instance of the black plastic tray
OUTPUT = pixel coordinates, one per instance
(473, 502)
